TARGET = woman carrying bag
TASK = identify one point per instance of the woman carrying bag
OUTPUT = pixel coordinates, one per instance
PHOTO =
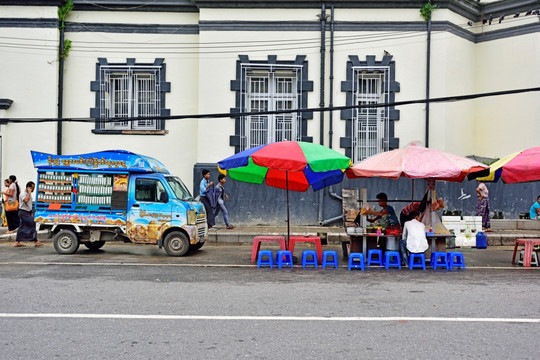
(11, 205)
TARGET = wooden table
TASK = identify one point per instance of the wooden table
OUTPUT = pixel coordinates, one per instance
(266, 238)
(312, 239)
(529, 244)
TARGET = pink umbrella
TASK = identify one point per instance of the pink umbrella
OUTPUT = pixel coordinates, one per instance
(519, 167)
(416, 162)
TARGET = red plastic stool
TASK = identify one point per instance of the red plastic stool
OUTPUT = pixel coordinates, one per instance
(266, 238)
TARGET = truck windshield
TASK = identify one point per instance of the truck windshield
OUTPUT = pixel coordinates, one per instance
(179, 188)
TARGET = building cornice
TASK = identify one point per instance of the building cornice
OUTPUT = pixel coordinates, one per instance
(470, 9)
(5, 104)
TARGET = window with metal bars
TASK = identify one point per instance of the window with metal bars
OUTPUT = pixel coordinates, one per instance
(130, 91)
(370, 125)
(268, 88)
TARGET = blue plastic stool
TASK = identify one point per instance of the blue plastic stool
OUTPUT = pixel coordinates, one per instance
(284, 257)
(392, 258)
(413, 264)
(439, 259)
(354, 264)
(371, 260)
(261, 261)
(306, 261)
(455, 259)
(326, 258)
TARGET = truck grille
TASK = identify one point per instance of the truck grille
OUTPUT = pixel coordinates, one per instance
(201, 228)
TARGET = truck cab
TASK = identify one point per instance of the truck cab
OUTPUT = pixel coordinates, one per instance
(115, 195)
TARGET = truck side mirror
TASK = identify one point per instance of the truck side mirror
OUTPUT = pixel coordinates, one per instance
(164, 197)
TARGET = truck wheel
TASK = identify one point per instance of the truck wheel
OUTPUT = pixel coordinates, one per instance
(66, 242)
(176, 244)
(94, 245)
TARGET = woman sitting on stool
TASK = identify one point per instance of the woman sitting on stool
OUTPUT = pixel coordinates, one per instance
(414, 237)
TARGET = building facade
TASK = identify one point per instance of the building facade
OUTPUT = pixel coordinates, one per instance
(195, 73)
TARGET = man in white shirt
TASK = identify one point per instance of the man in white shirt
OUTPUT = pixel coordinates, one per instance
(414, 237)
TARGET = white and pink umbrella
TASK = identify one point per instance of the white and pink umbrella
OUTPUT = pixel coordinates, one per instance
(416, 162)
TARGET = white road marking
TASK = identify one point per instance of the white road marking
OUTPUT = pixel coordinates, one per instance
(267, 318)
(509, 267)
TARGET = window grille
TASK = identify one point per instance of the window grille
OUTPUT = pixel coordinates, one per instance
(370, 125)
(130, 91)
(270, 88)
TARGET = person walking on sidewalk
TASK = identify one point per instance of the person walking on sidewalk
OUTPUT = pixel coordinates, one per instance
(11, 206)
(205, 185)
(482, 205)
(27, 230)
(221, 201)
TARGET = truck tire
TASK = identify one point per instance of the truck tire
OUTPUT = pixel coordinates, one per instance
(176, 244)
(94, 245)
(66, 242)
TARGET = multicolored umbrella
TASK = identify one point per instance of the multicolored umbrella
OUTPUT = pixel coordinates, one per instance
(289, 165)
(522, 166)
(416, 162)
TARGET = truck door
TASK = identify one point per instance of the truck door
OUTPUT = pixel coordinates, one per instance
(151, 212)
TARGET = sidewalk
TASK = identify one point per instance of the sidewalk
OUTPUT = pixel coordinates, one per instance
(233, 248)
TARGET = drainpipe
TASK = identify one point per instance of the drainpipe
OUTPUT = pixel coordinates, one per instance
(331, 104)
(323, 65)
(321, 103)
(428, 64)
(340, 217)
(331, 115)
(60, 91)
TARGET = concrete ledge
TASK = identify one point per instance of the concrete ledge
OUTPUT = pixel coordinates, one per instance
(515, 224)
(41, 236)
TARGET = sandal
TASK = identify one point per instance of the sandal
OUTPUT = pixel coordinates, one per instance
(38, 243)
(230, 227)
(18, 244)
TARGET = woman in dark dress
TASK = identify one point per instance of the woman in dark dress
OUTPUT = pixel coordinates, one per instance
(12, 194)
(27, 230)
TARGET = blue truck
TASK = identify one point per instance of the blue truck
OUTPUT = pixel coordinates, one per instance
(115, 195)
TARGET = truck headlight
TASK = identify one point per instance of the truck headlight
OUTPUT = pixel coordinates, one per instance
(191, 217)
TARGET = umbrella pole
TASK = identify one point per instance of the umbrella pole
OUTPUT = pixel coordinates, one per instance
(412, 194)
(288, 215)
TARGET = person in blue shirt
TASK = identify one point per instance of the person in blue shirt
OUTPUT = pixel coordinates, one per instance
(205, 185)
(534, 213)
(388, 214)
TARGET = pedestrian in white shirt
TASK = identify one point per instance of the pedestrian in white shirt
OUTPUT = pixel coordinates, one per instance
(414, 237)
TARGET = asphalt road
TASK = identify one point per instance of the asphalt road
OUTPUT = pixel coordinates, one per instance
(137, 303)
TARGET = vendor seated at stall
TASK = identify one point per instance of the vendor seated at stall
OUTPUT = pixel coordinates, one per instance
(387, 214)
(534, 212)
(419, 206)
(414, 238)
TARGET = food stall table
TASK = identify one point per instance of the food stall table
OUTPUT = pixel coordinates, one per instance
(361, 243)
(266, 238)
(437, 242)
(313, 239)
(528, 244)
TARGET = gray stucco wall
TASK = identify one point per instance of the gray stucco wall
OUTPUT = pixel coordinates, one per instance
(260, 204)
